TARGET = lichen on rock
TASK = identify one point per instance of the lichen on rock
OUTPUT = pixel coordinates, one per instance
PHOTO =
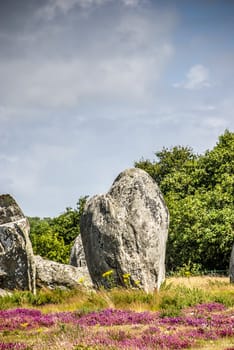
(126, 231)
(52, 274)
(17, 266)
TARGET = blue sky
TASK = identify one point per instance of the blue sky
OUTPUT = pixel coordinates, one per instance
(90, 86)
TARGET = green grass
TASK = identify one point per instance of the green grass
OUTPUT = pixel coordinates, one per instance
(174, 295)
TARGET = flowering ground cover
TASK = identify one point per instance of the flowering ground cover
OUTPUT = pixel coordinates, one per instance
(196, 327)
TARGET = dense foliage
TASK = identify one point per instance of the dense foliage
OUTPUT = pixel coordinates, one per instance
(199, 192)
(52, 238)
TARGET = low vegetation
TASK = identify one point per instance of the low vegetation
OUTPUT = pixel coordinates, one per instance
(187, 313)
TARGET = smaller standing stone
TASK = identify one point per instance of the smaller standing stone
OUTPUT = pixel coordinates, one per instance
(77, 256)
(17, 267)
(231, 269)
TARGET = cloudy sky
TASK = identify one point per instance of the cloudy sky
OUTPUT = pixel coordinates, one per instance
(87, 87)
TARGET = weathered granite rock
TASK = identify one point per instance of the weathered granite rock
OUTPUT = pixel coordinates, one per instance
(126, 231)
(17, 267)
(231, 269)
(52, 274)
(77, 256)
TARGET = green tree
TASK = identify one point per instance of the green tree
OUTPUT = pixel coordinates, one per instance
(199, 193)
(217, 165)
(168, 161)
(52, 238)
(45, 241)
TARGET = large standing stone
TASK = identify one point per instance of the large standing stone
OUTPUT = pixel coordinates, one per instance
(17, 267)
(231, 269)
(77, 256)
(53, 274)
(126, 231)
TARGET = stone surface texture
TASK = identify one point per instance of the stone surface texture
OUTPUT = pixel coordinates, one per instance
(77, 256)
(231, 269)
(17, 266)
(126, 231)
(52, 274)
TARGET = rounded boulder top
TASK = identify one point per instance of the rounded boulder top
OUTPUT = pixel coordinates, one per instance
(9, 209)
(125, 231)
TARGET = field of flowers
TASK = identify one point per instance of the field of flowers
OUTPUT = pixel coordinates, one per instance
(205, 325)
(115, 329)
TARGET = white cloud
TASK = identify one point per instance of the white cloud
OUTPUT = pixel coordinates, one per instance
(63, 6)
(67, 83)
(53, 7)
(205, 108)
(196, 78)
(131, 2)
(215, 123)
(121, 62)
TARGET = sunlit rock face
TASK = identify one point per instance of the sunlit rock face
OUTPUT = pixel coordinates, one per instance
(231, 270)
(126, 231)
(17, 266)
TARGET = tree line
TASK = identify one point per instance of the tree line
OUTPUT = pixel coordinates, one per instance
(199, 192)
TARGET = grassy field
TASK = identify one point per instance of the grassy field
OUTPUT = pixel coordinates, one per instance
(187, 313)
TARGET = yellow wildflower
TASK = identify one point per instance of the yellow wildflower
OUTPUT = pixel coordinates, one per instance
(107, 273)
(81, 280)
(24, 325)
(137, 282)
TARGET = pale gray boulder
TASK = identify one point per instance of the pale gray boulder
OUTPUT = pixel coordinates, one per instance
(4, 293)
(125, 231)
(17, 266)
(52, 274)
(231, 267)
(77, 256)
